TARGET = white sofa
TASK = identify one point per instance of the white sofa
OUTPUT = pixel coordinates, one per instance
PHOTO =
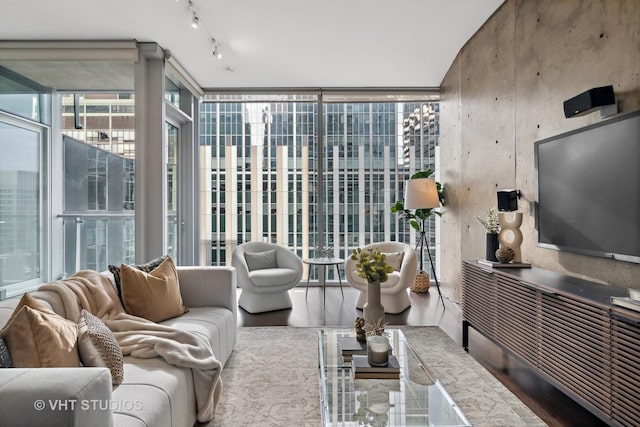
(153, 393)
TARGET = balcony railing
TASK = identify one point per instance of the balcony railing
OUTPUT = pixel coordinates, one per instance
(95, 240)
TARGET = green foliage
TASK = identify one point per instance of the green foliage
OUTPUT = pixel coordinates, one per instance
(417, 217)
(371, 265)
(490, 223)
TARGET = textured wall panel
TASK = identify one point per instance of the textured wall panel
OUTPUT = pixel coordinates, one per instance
(505, 90)
(450, 175)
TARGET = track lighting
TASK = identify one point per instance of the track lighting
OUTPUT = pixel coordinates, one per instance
(216, 49)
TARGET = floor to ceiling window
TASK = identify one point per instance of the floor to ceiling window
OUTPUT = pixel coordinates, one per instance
(262, 165)
(21, 177)
(99, 180)
(99, 147)
(262, 158)
(68, 200)
(23, 181)
(172, 191)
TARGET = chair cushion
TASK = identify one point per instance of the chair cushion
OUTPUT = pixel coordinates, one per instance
(214, 324)
(272, 276)
(155, 295)
(154, 393)
(261, 260)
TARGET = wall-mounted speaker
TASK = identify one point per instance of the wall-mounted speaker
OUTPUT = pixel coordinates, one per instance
(508, 200)
(588, 101)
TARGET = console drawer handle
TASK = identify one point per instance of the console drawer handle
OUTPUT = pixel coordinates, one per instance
(547, 293)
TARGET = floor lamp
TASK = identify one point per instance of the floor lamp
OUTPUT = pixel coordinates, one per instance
(422, 193)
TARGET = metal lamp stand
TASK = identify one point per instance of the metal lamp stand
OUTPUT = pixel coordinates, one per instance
(421, 241)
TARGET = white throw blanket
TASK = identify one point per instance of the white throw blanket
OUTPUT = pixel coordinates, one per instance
(142, 338)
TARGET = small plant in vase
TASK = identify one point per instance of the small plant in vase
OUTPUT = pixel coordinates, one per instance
(490, 222)
(492, 227)
(372, 266)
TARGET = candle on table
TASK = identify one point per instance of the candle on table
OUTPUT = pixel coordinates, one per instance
(378, 350)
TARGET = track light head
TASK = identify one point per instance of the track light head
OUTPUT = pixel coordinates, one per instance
(217, 52)
(196, 21)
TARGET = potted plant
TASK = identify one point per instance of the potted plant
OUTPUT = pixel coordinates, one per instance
(417, 218)
(492, 227)
(372, 266)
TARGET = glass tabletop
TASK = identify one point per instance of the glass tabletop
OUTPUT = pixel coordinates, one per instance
(323, 261)
(415, 399)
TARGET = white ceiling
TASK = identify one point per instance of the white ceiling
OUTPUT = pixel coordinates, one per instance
(271, 43)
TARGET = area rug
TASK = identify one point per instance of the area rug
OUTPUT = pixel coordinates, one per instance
(271, 379)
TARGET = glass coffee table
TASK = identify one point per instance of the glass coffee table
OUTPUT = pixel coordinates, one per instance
(416, 399)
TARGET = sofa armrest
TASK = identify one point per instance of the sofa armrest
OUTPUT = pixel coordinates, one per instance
(55, 396)
(209, 286)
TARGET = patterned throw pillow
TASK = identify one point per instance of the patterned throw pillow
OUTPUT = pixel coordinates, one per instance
(98, 346)
(5, 357)
(146, 267)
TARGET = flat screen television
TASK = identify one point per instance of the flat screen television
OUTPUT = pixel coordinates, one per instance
(588, 189)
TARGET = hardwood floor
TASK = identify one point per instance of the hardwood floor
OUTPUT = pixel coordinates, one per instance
(339, 311)
(554, 407)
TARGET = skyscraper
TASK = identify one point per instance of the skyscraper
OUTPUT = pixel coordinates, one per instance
(263, 158)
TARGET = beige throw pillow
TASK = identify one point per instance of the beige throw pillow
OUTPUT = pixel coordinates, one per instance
(98, 346)
(155, 295)
(394, 259)
(146, 267)
(40, 338)
(29, 301)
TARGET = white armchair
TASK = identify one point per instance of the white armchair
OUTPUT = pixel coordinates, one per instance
(393, 293)
(265, 273)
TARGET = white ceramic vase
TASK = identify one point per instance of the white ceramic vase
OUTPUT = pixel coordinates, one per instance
(372, 310)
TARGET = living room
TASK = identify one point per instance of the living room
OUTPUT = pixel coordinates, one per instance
(503, 90)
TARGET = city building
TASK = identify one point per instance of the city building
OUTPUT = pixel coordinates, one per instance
(269, 146)
(264, 173)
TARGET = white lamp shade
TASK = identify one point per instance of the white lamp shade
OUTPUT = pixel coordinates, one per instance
(421, 193)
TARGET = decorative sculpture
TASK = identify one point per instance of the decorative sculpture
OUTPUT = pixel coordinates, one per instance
(505, 254)
(323, 252)
(361, 334)
(510, 235)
